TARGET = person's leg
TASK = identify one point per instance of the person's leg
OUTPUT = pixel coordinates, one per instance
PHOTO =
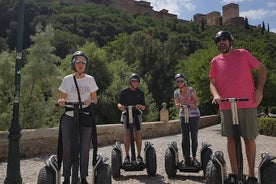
(85, 139)
(185, 139)
(232, 154)
(194, 125)
(67, 123)
(250, 149)
(127, 142)
(138, 139)
(249, 131)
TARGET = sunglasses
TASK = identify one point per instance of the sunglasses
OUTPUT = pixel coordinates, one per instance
(135, 81)
(81, 62)
(221, 39)
(180, 81)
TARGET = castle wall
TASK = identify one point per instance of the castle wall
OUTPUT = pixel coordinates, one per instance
(236, 21)
(230, 12)
(199, 17)
(213, 18)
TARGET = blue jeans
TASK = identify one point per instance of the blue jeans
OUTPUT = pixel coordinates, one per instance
(189, 130)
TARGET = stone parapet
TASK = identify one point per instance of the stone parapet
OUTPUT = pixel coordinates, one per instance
(44, 141)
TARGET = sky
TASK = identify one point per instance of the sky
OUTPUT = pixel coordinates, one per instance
(256, 11)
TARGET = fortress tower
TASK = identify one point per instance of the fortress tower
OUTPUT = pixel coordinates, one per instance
(230, 11)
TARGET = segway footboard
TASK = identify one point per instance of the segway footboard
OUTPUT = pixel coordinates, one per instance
(267, 169)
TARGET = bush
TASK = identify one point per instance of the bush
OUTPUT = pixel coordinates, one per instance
(273, 110)
(267, 126)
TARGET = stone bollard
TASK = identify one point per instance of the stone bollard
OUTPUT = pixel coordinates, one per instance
(164, 113)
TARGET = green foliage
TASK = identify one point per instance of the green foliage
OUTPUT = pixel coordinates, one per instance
(273, 110)
(7, 61)
(267, 126)
(38, 81)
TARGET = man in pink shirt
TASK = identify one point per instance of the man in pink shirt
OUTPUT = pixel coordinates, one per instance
(231, 77)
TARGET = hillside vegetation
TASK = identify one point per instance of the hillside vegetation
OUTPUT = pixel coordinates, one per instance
(117, 45)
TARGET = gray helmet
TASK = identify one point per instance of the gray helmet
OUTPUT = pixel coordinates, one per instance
(179, 75)
(77, 53)
(225, 34)
(134, 76)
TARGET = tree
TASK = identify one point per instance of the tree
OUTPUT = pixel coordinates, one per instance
(7, 61)
(39, 78)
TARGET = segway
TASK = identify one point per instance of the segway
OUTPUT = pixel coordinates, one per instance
(216, 168)
(172, 163)
(267, 169)
(149, 152)
(50, 173)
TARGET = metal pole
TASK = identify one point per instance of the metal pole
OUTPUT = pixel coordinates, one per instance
(13, 166)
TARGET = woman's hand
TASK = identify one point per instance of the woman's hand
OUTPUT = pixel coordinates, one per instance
(140, 107)
(61, 102)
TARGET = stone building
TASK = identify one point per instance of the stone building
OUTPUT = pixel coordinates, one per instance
(230, 12)
(136, 7)
(230, 16)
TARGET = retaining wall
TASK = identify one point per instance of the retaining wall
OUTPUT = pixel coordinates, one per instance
(44, 141)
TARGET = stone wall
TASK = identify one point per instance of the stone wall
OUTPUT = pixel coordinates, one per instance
(44, 141)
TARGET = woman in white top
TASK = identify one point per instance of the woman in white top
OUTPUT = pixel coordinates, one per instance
(69, 93)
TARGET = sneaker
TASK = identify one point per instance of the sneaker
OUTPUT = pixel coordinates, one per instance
(196, 163)
(252, 180)
(127, 160)
(232, 178)
(139, 159)
(188, 162)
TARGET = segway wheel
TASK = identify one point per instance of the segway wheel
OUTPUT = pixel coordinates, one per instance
(213, 173)
(205, 157)
(170, 165)
(116, 161)
(45, 176)
(103, 174)
(268, 173)
(151, 161)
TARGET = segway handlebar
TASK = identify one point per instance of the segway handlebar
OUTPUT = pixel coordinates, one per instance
(71, 103)
(233, 99)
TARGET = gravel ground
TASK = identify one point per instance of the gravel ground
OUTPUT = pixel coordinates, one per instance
(30, 167)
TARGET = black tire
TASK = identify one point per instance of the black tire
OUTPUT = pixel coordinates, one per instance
(170, 163)
(213, 173)
(206, 156)
(151, 161)
(116, 161)
(103, 174)
(46, 176)
(268, 173)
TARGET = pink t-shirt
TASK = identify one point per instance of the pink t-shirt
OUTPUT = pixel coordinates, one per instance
(233, 76)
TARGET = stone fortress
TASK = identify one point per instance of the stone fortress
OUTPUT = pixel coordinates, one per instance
(230, 12)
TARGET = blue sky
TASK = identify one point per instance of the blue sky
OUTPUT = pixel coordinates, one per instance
(257, 11)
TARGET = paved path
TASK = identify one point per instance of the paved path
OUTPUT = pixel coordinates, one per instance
(30, 167)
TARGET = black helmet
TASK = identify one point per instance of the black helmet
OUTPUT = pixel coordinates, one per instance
(179, 75)
(225, 34)
(77, 53)
(134, 76)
